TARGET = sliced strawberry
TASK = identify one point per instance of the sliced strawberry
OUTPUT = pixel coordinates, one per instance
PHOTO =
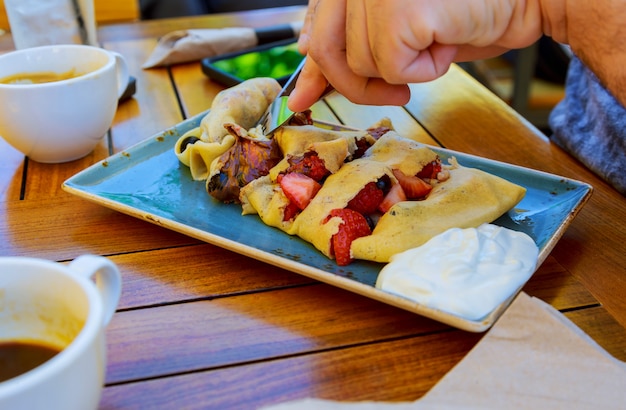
(309, 164)
(367, 200)
(430, 170)
(354, 226)
(290, 212)
(299, 188)
(414, 187)
(396, 194)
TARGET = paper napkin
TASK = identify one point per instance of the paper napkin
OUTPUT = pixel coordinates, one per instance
(532, 358)
(183, 46)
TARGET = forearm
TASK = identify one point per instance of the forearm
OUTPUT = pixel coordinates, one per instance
(596, 33)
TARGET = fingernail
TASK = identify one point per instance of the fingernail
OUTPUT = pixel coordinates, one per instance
(291, 98)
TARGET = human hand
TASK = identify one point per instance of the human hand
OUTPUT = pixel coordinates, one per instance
(325, 24)
(369, 50)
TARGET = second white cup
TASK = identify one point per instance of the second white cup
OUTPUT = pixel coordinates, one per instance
(44, 303)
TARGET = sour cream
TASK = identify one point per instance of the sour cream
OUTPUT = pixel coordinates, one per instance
(466, 272)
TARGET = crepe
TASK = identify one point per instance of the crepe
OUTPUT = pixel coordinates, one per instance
(313, 224)
(264, 197)
(242, 105)
(333, 147)
(334, 168)
(466, 198)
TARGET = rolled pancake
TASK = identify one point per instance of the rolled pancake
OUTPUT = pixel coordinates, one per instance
(333, 147)
(297, 139)
(264, 195)
(313, 224)
(265, 198)
(199, 155)
(401, 153)
(389, 152)
(243, 105)
(468, 199)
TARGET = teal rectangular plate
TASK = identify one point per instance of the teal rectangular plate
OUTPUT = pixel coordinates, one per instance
(148, 182)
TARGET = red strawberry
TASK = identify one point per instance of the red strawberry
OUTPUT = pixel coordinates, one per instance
(354, 226)
(430, 170)
(367, 200)
(299, 188)
(290, 212)
(396, 194)
(413, 187)
(309, 164)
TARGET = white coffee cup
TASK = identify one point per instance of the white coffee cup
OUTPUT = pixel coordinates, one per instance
(58, 305)
(62, 120)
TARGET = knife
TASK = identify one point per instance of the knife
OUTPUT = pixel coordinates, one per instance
(278, 114)
(271, 34)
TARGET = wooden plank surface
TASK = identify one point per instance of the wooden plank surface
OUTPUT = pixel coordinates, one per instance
(196, 272)
(242, 322)
(153, 108)
(242, 328)
(395, 369)
(154, 29)
(63, 227)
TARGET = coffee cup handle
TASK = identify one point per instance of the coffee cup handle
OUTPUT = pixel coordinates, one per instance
(108, 280)
(123, 74)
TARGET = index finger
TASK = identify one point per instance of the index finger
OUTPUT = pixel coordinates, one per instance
(327, 47)
(309, 87)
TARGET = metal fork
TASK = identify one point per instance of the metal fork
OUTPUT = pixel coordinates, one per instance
(278, 113)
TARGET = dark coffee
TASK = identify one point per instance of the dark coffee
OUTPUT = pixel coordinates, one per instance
(18, 357)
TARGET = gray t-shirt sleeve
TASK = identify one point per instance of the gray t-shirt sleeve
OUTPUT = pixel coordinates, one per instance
(590, 124)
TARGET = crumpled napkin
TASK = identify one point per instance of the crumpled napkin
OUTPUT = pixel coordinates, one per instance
(37, 23)
(183, 46)
(532, 358)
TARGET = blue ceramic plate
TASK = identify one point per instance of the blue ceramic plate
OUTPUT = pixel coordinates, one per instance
(148, 182)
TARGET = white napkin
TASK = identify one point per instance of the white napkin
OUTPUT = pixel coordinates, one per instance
(532, 358)
(183, 46)
(36, 23)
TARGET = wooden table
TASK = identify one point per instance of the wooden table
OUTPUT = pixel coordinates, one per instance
(201, 327)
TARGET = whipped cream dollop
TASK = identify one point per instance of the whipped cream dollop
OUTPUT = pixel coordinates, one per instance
(466, 272)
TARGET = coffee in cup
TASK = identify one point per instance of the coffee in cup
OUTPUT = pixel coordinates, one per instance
(52, 331)
(59, 101)
(20, 356)
(39, 77)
